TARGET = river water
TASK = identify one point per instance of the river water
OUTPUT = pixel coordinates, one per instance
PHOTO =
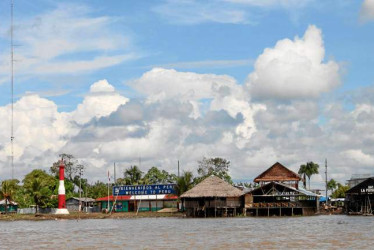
(326, 232)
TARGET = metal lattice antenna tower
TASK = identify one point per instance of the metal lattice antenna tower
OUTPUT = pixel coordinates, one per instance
(12, 87)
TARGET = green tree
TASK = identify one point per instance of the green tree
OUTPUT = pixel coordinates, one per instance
(132, 176)
(244, 184)
(340, 191)
(98, 189)
(308, 170)
(213, 166)
(184, 182)
(331, 185)
(72, 168)
(8, 190)
(40, 187)
(155, 176)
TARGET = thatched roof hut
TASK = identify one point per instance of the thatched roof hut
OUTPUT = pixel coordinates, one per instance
(212, 197)
(212, 186)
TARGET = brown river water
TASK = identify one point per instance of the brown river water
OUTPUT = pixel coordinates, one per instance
(314, 232)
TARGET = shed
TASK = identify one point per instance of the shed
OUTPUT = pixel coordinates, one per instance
(11, 206)
(72, 204)
(360, 198)
(142, 203)
(212, 197)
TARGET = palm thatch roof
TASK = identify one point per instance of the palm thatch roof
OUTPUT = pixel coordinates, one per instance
(212, 187)
(278, 173)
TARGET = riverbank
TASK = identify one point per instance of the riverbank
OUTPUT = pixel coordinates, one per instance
(82, 216)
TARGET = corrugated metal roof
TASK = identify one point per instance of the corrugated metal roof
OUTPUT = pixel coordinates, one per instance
(2, 202)
(300, 190)
(277, 172)
(85, 199)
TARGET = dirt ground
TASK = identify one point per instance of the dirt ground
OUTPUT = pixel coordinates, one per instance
(78, 216)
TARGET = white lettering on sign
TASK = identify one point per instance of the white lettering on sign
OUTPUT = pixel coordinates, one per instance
(369, 189)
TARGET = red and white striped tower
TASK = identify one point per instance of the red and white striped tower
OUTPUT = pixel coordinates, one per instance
(61, 191)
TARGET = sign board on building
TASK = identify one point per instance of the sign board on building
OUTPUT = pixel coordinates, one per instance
(144, 189)
(368, 190)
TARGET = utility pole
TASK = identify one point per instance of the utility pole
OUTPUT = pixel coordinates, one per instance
(108, 192)
(80, 186)
(115, 179)
(178, 168)
(12, 87)
(326, 180)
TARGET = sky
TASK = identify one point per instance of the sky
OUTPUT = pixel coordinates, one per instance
(153, 82)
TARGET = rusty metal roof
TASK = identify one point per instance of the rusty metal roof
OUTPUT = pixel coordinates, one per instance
(277, 172)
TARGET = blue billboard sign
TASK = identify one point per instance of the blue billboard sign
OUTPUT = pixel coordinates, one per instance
(144, 189)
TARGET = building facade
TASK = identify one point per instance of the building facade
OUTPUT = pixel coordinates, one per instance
(359, 199)
(278, 193)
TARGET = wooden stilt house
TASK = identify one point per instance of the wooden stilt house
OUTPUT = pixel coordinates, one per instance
(279, 194)
(213, 197)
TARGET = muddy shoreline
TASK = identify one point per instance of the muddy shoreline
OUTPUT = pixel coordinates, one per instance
(82, 216)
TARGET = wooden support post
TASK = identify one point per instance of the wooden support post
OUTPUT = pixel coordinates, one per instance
(268, 211)
(215, 207)
(280, 211)
(256, 212)
(292, 211)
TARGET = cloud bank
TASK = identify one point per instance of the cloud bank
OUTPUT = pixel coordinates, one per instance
(186, 116)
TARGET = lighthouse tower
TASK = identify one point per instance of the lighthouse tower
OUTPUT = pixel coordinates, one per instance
(61, 191)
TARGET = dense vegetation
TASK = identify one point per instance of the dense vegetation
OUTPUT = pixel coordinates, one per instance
(40, 188)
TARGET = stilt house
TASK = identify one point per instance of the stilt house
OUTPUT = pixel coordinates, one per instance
(360, 198)
(212, 197)
(279, 194)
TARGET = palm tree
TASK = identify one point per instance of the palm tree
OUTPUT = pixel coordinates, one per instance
(39, 192)
(302, 171)
(309, 169)
(133, 175)
(331, 185)
(184, 183)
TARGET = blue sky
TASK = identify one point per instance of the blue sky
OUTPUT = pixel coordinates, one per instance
(157, 38)
(64, 47)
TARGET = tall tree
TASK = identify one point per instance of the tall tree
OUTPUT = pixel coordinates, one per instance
(213, 166)
(8, 189)
(309, 169)
(98, 189)
(184, 182)
(132, 176)
(340, 191)
(155, 176)
(331, 185)
(72, 167)
(40, 187)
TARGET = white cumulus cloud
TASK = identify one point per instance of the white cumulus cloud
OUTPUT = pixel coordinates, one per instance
(294, 69)
(367, 10)
(100, 101)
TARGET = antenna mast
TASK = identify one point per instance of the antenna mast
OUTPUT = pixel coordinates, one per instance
(12, 88)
